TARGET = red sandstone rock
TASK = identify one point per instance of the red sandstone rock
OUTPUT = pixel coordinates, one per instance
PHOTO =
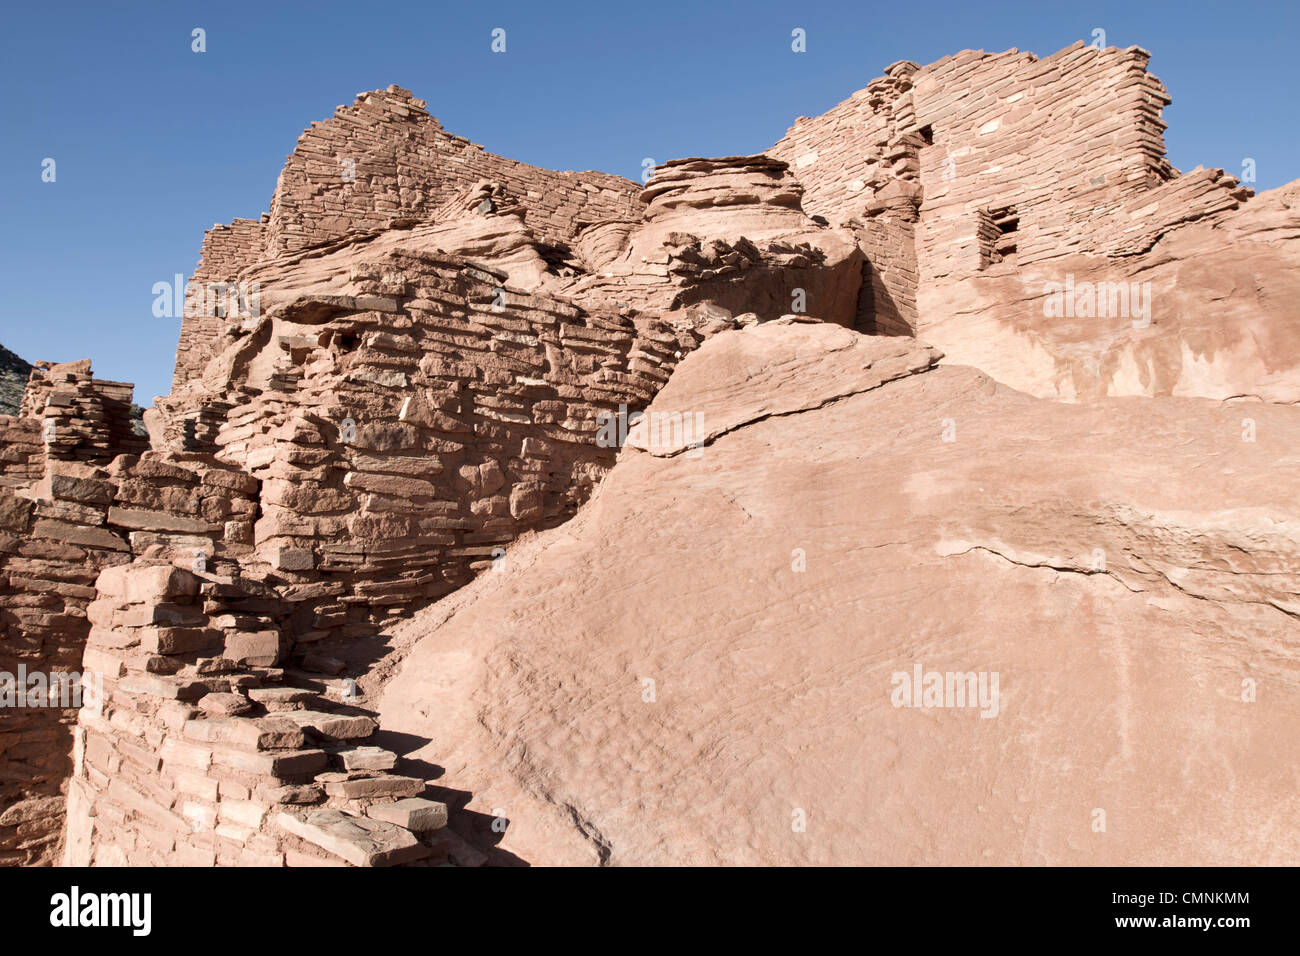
(725, 671)
(393, 377)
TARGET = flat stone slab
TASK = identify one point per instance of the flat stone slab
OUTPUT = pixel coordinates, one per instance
(250, 733)
(282, 698)
(282, 766)
(139, 519)
(359, 840)
(414, 813)
(339, 726)
(364, 758)
(369, 785)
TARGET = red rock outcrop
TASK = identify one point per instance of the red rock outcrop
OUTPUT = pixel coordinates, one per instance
(1117, 578)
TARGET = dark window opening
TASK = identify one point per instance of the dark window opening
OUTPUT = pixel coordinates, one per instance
(998, 228)
(347, 342)
(927, 135)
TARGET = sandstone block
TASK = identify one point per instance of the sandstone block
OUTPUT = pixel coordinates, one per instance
(360, 841)
(413, 813)
(268, 733)
(178, 640)
(141, 520)
(292, 559)
(374, 787)
(224, 705)
(279, 699)
(526, 503)
(255, 648)
(286, 765)
(338, 726)
(364, 758)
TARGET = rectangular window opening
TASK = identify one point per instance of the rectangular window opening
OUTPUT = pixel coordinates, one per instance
(998, 228)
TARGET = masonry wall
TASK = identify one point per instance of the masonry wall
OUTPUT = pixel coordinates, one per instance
(199, 753)
(382, 161)
(1071, 144)
(227, 252)
(1074, 142)
(22, 453)
(406, 165)
(403, 440)
(75, 499)
(46, 581)
(81, 418)
(55, 538)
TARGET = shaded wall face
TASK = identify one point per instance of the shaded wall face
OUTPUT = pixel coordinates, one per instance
(45, 584)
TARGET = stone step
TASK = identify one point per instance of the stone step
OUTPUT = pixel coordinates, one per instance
(256, 733)
(363, 758)
(369, 784)
(338, 726)
(280, 699)
(358, 840)
(413, 813)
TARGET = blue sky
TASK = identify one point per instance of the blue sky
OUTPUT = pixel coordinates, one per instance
(154, 143)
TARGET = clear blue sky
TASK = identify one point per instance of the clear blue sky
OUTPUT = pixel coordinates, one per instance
(155, 143)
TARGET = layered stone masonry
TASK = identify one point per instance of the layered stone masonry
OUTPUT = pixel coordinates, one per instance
(384, 161)
(199, 751)
(82, 418)
(424, 427)
(1072, 142)
(68, 513)
(22, 453)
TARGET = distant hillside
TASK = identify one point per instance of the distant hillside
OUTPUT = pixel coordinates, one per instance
(13, 380)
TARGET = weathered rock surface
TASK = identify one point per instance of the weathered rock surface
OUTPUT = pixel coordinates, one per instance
(703, 658)
(1218, 315)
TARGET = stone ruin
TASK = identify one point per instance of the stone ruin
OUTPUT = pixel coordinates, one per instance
(438, 338)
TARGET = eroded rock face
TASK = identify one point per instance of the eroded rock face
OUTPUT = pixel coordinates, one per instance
(725, 670)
